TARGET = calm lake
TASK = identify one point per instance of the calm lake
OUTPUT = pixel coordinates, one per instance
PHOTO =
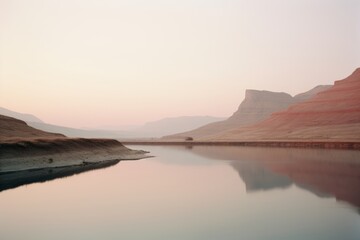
(193, 193)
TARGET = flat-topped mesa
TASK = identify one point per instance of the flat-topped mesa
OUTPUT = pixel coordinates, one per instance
(256, 107)
(330, 114)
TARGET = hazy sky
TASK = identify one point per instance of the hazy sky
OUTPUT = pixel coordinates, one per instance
(88, 63)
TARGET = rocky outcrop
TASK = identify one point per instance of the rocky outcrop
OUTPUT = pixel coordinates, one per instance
(257, 106)
(330, 114)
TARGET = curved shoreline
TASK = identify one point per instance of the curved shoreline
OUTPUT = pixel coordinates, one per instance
(52, 153)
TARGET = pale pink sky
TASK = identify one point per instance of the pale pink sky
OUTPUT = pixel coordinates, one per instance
(85, 63)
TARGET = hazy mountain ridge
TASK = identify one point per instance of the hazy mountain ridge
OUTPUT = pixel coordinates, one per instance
(152, 129)
(11, 128)
(74, 132)
(174, 125)
(22, 116)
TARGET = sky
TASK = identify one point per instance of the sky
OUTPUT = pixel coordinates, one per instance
(92, 63)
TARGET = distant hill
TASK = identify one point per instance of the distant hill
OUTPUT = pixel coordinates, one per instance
(12, 129)
(148, 130)
(257, 106)
(74, 132)
(174, 125)
(22, 116)
(330, 114)
(36, 123)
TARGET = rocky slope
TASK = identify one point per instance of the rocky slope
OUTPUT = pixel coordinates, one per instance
(330, 114)
(257, 106)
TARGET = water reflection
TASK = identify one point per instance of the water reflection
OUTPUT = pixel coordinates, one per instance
(257, 178)
(182, 195)
(322, 172)
(17, 179)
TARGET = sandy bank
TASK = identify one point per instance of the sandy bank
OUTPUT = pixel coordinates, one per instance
(22, 154)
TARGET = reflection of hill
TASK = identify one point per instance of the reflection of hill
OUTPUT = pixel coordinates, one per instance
(16, 179)
(333, 172)
(256, 177)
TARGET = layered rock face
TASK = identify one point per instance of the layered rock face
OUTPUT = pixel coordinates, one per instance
(257, 106)
(330, 114)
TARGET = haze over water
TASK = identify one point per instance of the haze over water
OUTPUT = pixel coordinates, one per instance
(195, 193)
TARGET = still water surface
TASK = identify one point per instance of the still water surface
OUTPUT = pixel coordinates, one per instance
(195, 193)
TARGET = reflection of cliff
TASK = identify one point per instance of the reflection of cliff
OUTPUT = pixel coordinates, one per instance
(256, 177)
(329, 172)
(16, 179)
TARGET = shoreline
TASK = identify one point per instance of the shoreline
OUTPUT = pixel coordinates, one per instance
(10, 180)
(36, 154)
(348, 145)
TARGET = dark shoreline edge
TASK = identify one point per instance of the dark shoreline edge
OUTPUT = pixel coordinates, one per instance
(10, 180)
(286, 144)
